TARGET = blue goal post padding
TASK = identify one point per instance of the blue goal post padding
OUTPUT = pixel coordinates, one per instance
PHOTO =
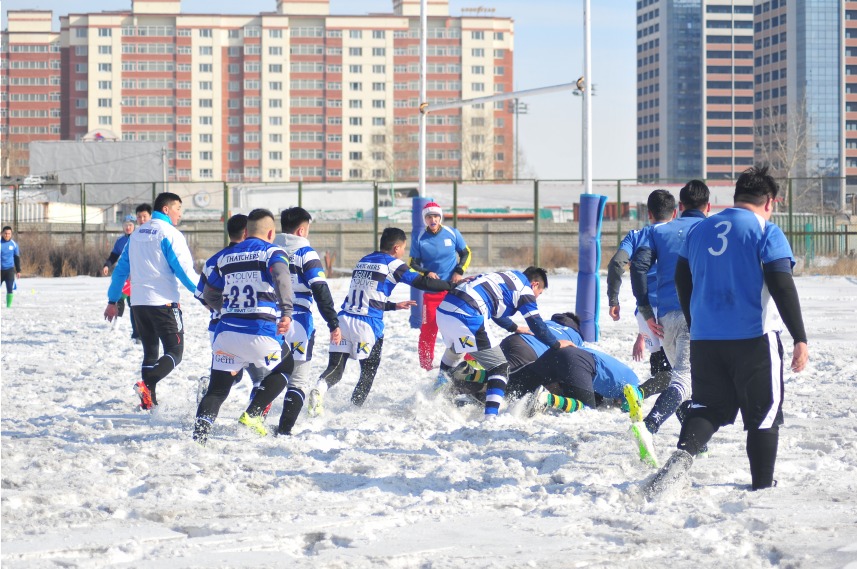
(418, 224)
(589, 262)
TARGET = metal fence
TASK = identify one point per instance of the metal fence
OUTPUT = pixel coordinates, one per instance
(504, 222)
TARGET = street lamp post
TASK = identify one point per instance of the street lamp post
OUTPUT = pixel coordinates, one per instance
(517, 108)
(582, 87)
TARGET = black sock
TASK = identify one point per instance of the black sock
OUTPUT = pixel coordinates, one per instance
(292, 405)
(762, 451)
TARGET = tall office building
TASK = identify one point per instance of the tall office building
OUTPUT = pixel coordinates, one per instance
(694, 88)
(30, 87)
(295, 94)
(806, 92)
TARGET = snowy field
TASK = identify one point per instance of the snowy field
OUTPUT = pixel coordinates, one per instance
(406, 481)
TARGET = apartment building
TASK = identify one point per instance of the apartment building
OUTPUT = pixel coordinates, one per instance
(30, 87)
(292, 94)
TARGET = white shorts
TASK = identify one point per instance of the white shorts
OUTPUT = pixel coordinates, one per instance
(465, 334)
(358, 338)
(234, 351)
(653, 343)
(298, 341)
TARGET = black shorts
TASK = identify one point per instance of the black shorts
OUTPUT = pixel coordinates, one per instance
(738, 375)
(158, 321)
(572, 368)
(9, 279)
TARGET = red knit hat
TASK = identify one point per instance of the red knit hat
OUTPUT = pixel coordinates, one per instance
(432, 208)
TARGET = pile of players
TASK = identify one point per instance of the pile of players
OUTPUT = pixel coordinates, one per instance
(262, 287)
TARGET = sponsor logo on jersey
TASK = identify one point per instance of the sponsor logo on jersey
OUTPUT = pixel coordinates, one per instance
(362, 347)
(466, 341)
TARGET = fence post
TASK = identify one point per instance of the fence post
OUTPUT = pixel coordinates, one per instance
(375, 214)
(536, 255)
(809, 244)
(300, 193)
(83, 214)
(154, 193)
(618, 213)
(455, 204)
(225, 213)
(15, 207)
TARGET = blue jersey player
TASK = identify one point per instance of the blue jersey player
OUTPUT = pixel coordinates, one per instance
(735, 285)
(361, 318)
(463, 321)
(251, 286)
(11, 257)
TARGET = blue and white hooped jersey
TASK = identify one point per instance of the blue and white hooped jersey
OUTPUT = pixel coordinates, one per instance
(250, 302)
(207, 269)
(372, 282)
(730, 300)
(305, 268)
(494, 295)
(629, 244)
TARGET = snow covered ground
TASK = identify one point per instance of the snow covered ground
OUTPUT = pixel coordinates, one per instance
(405, 481)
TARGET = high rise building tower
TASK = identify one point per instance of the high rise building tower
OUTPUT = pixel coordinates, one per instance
(296, 94)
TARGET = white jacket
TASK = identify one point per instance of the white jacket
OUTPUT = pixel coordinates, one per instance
(156, 258)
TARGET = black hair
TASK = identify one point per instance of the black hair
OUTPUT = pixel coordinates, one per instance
(536, 274)
(236, 225)
(755, 186)
(292, 218)
(694, 195)
(390, 237)
(144, 207)
(259, 213)
(5, 228)
(166, 199)
(569, 319)
(661, 205)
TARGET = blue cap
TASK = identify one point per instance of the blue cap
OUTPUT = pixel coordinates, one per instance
(130, 218)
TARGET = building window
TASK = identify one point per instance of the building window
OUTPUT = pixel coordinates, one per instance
(105, 32)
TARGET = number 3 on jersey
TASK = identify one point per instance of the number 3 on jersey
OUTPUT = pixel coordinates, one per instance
(727, 225)
(239, 300)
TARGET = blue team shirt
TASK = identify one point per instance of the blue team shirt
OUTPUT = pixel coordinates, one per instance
(119, 246)
(438, 252)
(665, 241)
(250, 302)
(372, 283)
(730, 300)
(611, 375)
(629, 244)
(207, 269)
(9, 252)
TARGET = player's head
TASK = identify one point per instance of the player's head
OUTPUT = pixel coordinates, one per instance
(295, 220)
(236, 227)
(568, 319)
(7, 233)
(661, 205)
(144, 213)
(537, 279)
(755, 186)
(694, 195)
(261, 224)
(128, 224)
(393, 242)
(169, 204)
(433, 215)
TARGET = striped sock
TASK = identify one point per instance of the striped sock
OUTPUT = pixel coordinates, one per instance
(564, 404)
(495, 393)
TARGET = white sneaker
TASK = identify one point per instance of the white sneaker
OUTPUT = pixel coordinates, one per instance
(315, 403)
(538, 402)
(645, 443)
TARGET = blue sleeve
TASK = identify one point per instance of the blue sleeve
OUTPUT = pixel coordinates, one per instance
(119, 245)
(506, 323)
(175, 265)
(541, 331)
(629, 243)
(119, 276)
(775, 246)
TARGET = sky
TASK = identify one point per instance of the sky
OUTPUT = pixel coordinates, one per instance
(548, 51)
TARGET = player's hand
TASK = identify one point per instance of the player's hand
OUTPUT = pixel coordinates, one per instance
(456, 278)
(565, 344)
(111, 312)
(405, 304)
(432, 275)
(799, 357)
(614, 312)
(656, 328)
(104, 271)
(284, 324)
(639, 344)
(523, 330)
(335, 336)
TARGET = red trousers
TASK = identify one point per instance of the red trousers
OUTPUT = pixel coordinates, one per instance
(428, 330)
